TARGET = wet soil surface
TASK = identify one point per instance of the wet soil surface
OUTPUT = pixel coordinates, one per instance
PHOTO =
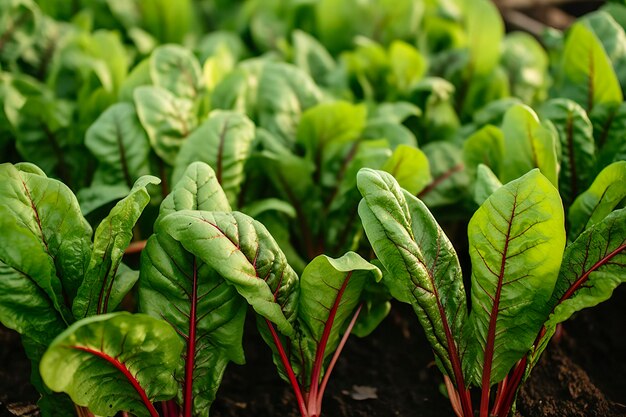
(391, 373)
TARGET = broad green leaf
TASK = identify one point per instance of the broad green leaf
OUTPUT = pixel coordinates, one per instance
(395, 112)
(516, 241)
(217, 67)
(120, 144)
(242, 251)
(577, 146)
(176, 69)
(410, 167)
(593, 266)
(585, 73)
(207, 313)
(197, 189)
(167, 119)
(330, 291)
(449, 178)
(283, 93)
(99, 195)
(326, 123)
(613, 40)
(423, 268)
(606, 192)
(485, 30)
(486, 146)
(174, 284)
(167, 21)
(486, 183)
(312, 57)
(528, 144)
(100, 291)
(44, 235)
(408, 66)
(258, 207)
(609, 125)
(20, 22)
(223, 141)
(108, 362)
(440, 120)
(526, 64)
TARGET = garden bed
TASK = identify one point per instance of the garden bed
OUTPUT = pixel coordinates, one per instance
(582, 376)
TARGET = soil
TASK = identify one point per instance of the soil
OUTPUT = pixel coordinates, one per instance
(391, 373)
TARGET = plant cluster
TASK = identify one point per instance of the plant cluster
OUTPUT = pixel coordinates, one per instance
(286, 156)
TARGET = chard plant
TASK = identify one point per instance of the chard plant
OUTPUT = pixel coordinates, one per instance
(524, 280)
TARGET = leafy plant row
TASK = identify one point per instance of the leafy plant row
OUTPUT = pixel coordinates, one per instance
(269, 146)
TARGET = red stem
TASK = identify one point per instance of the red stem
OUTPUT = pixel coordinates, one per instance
(511, 389)
(333, 361)
(502, 385)
(124, 370)
(135, 247)
(289, 369)
(321, 348)
(191, 347)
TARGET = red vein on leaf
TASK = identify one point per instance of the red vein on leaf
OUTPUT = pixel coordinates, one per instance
(437, 181)
(124, 370)
(191, 346)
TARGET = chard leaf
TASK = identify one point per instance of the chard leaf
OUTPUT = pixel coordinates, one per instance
(410, 167)
(593, 266)
(120, 144)
(176, 69)
(613, 40)
(312, 57)
(242, 251)
(609, 125)
(114, 362)
(408, 66)
(577, 146)
(100, 290)
(335, 122)
(485, 30)
(449, 178)
(423, 267)
(486, 146)
(207, 313)
(528, 144)
(486, 184)
(167, 119)
(585, 74)
(45, 237)
(223, 141)
(516, 240)
(330, 291)
(526, 63)
(603, 196)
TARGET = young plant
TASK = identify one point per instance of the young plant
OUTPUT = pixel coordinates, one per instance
(522, 282)
(52, 272)
(306, 320)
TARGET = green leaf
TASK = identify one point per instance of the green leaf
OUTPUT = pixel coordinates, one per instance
(334, 122)
(330, 291)
(577, 146)
(486, 146)
(423, 268)
(593, 266)
(120, 144)
(176, 69)
(410, 167)
(312, 57)
(207, 313)
(45, 237)
(167, 119)
(485, 30)
(516, 241)
(585, 74)
(528, 144)
(609, 125)
(197, 189)
(449, 179)
(100, 195)
(242, 251)
(19, 24)
(106, 363)
(408, 66)
(100, 291)
(613, 40)
(606, 192)
(526, 63)
(223, 141)
(486, 184)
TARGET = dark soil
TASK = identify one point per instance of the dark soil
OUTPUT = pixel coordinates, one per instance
(583, 375)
